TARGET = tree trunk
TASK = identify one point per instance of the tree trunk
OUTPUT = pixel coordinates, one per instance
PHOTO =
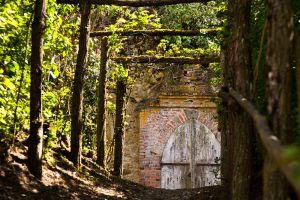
(36, 116)
(297, 56)
(77, 98)
(270, 142)
(279, 45)
(238, 132)
(223, 125)
(101, 103)
(119, 127)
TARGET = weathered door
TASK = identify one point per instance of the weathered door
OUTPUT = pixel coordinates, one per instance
(190, 157)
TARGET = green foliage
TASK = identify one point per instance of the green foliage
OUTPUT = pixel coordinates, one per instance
(257, 25)
(190, 16)
(14, 29)
(59, 58)
(216, 80)
(59, 43)
(118, 72)
(119, 18)
(60, 40)
(194, 16)
(168, 49)
(296, 9)
(139, 19)
(291, 155)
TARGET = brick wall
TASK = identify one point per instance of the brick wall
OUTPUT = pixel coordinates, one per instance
(156, 126)
(155, 110)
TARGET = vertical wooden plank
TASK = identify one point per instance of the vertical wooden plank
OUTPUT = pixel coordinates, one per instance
(207, 149)
(175, 177)
(206, 176)
(192, 161)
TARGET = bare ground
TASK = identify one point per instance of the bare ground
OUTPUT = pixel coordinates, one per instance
(61, 181)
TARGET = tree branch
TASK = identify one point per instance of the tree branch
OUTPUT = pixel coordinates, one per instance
(180, 60)
(270, 142)
(135, 3)
(157, 32)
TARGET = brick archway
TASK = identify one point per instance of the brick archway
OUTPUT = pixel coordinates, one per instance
(156, 126)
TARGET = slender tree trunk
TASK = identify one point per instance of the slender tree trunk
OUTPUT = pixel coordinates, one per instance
(36, 116)
(119, 127)
(238, 132)
(279, 45)
(21, 79)
(77, 98)
(101, 103)
(297, 56)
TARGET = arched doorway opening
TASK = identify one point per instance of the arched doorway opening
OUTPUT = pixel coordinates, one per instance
(191, 157)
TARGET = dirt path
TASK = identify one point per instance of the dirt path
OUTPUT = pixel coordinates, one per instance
(62, 181)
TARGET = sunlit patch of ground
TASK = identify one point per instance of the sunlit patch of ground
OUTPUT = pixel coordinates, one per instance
(62, 181)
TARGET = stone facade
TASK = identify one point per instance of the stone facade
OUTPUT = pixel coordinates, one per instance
(155, 112)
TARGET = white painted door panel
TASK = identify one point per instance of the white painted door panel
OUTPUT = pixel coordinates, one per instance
(189, 157)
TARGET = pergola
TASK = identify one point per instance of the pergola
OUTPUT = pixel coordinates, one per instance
(121, 85)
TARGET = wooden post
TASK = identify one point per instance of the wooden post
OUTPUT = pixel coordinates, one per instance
(297, 56)
(77, 97)
(201, 59)
(36, 116)
(119, 127)
(101, 103)
(192, 163)
(157, 32)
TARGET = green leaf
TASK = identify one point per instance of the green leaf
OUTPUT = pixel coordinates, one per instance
(16, 65)
(291, 153)
(8, 84)
(7, 59)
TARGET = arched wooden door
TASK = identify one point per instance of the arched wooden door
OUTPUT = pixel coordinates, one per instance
(189, 157)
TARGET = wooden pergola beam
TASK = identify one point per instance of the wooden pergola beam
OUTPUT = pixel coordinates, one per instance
(135, 3)
(156, 32)
(179, 60)
(270, 142)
